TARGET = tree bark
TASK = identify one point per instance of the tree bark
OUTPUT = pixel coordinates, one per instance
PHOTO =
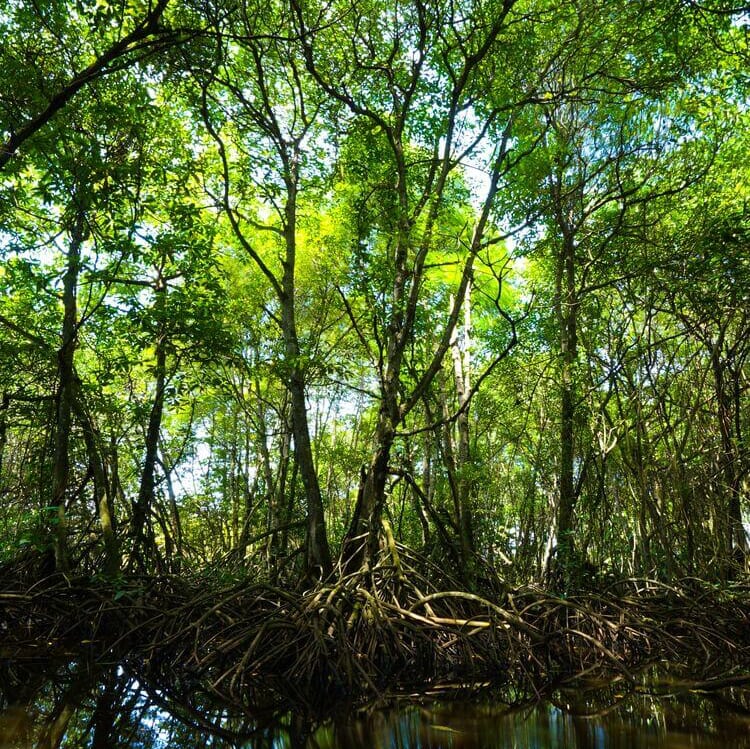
(66, 390)
(317, 552)
(729, 458)
(144, 544)
(4, 407)
(360, 546)
(102, 498)
(461, 353)
(567, 308)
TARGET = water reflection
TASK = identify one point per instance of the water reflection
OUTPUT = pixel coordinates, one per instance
(639, 722)
(109, 708)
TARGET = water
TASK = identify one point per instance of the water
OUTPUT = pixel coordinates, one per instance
(640, 723)
(113, 710)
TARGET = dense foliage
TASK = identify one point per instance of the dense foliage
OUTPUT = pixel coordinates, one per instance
(284, 282)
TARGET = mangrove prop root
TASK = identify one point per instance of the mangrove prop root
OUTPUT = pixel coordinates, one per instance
(372, 632)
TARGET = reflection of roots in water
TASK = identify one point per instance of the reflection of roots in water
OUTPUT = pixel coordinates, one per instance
(101, 708)
(375, 633)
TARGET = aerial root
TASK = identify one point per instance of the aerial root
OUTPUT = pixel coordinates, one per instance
(376, 631)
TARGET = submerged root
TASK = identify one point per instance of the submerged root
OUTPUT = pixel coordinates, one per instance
(375, 632)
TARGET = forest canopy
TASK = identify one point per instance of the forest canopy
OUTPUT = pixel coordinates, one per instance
(286, 284)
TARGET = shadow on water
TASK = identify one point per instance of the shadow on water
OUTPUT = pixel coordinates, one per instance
(78, 706)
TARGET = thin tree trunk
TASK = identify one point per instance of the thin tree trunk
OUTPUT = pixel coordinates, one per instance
(105, 713)
(102, 498)
(461, 353)
(275, 486)
(4, 407)
(366, 520)
(66, 391)
(317, 552)
(234, 482)
(174, 511)
(736, 538)
(567, 306)
(143, 536)
(428, 483)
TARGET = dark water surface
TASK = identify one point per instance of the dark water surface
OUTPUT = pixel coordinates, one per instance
(116, 711)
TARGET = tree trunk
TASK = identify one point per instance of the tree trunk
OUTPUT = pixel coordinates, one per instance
(144, 543)
(102, 498)
(275, 486)
(428, 483)
(567, 307)
(104, 717)
(317, 553)
(174, 511)
(66, 391)
(362, 541)
(4, 407)
(736, 538)
(461, 352)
